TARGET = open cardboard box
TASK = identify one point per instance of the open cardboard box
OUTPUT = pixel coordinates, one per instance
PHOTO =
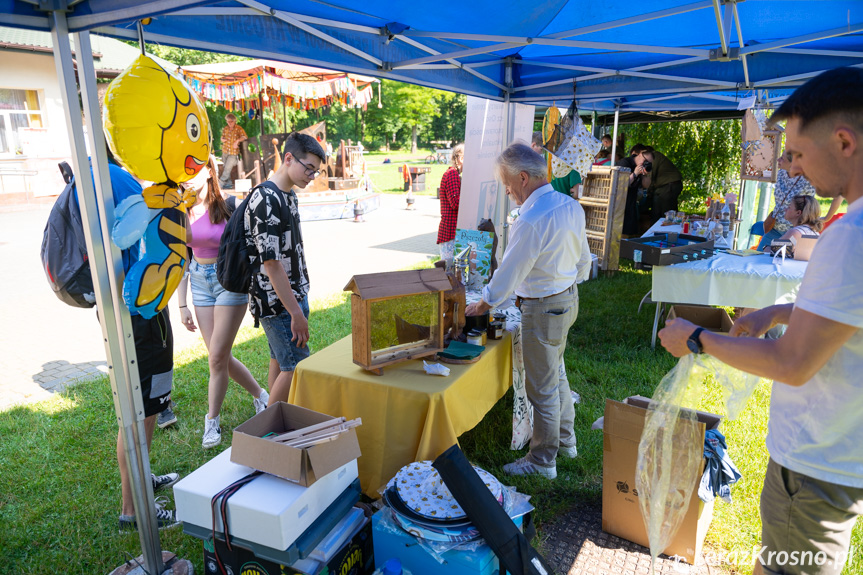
(302, 466)
(621, 512)
(710, 318)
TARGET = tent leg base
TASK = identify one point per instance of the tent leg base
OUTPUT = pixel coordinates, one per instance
(173, 566)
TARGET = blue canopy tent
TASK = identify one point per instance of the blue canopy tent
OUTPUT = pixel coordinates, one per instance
(665, 55)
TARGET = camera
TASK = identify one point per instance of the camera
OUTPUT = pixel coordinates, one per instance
(647, 165)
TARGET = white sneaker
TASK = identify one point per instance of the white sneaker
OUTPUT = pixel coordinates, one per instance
(569, 452)
(212, 432)
(524, 467)
(261, 402)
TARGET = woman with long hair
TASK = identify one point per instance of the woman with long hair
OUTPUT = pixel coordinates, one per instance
(804, 213)
(218, 311)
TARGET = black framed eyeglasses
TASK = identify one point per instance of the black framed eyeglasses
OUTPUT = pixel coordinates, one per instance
(310, 171)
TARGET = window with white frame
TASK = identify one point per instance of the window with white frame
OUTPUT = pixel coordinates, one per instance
(18, 109)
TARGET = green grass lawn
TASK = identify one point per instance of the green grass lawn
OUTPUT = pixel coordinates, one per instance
(387, 178)
(60, 487)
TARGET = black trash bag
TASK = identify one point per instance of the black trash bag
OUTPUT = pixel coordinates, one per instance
(513, 550)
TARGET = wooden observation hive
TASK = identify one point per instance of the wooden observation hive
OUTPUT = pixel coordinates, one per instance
(396, 316)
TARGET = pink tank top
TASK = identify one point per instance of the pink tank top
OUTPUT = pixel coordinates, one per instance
(205, 234)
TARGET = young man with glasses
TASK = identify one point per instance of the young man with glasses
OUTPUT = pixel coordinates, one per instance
(279, 291)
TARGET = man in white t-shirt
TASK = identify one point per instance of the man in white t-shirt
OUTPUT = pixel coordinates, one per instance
(813, 491)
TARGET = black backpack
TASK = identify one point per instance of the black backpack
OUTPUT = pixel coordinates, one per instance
(64, 249)
(234, 270)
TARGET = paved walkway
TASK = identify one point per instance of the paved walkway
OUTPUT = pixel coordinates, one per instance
(47, 345)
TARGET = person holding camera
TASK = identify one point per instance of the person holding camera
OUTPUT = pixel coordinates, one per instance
(639, 163)
(664, 184)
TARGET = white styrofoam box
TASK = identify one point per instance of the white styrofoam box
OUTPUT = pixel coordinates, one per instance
(269, 510)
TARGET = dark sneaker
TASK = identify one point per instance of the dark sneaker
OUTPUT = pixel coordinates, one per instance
(164, 481)
(165, 518)
(166, 418)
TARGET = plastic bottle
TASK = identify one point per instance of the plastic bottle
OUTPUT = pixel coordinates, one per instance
(392, 567)
(725, 220)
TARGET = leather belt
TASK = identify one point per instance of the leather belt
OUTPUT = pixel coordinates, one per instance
(519, 299)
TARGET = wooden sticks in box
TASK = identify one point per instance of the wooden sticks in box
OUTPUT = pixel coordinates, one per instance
(318, 433)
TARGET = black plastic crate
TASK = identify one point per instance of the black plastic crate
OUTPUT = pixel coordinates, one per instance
(667, 249)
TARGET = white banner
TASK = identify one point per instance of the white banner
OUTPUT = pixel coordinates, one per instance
(485, 138)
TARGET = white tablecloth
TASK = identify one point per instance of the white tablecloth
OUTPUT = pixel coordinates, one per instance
(729, 280)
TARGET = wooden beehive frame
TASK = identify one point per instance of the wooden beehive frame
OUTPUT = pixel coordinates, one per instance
(371, 288)
(604, 202)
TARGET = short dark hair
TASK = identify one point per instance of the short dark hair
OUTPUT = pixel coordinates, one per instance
(837, 92)
(638, 148)
(302, 144)
(536, 138)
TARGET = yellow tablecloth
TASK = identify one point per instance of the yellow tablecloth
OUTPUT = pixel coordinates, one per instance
(407, 415)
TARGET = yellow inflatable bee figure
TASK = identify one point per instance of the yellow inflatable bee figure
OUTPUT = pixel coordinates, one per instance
(157, 129)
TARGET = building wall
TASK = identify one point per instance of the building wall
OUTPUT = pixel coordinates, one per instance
(43, 149)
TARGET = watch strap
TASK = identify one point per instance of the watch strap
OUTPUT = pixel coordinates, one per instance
(695, 337)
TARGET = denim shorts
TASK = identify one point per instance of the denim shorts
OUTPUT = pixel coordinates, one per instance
(206, 289)
(282, 349)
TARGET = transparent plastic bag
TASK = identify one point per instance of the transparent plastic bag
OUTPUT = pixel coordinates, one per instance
(671, 446)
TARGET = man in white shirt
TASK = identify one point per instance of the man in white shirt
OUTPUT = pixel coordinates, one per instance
(547, 253)
(813, 491)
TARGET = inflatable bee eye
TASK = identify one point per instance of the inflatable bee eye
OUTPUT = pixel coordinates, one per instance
(193, 127)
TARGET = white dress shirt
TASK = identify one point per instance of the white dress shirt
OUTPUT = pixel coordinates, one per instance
(547, 250)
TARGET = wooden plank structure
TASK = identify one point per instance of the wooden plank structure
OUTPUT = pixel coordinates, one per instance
(604, 200)
(375, 309)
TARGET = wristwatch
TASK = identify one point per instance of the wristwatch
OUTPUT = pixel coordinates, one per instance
(694, 341)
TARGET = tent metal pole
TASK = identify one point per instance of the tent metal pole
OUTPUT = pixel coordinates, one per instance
(763, 201)
(501, 199)
(261, 117)
(614, 135)
(97, 214)
(785, 42)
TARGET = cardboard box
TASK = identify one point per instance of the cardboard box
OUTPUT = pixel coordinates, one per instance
(268, 511)
(356, 557)
(302, 466)
(710, 318)
(621, 512)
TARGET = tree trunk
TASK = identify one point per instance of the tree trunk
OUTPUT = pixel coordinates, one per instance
(357, 124)
(413, 139)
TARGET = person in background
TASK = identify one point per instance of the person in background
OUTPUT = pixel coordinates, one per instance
(218, 311)
(450, 193)
(566, 184)
(607, 143)
(813, 489)
(804, 213)
(775, 224)
(280, 289)
(232, 135)
(664, 184)
(546, 255)
(639, 177)
(154, 349)
(603, 158)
